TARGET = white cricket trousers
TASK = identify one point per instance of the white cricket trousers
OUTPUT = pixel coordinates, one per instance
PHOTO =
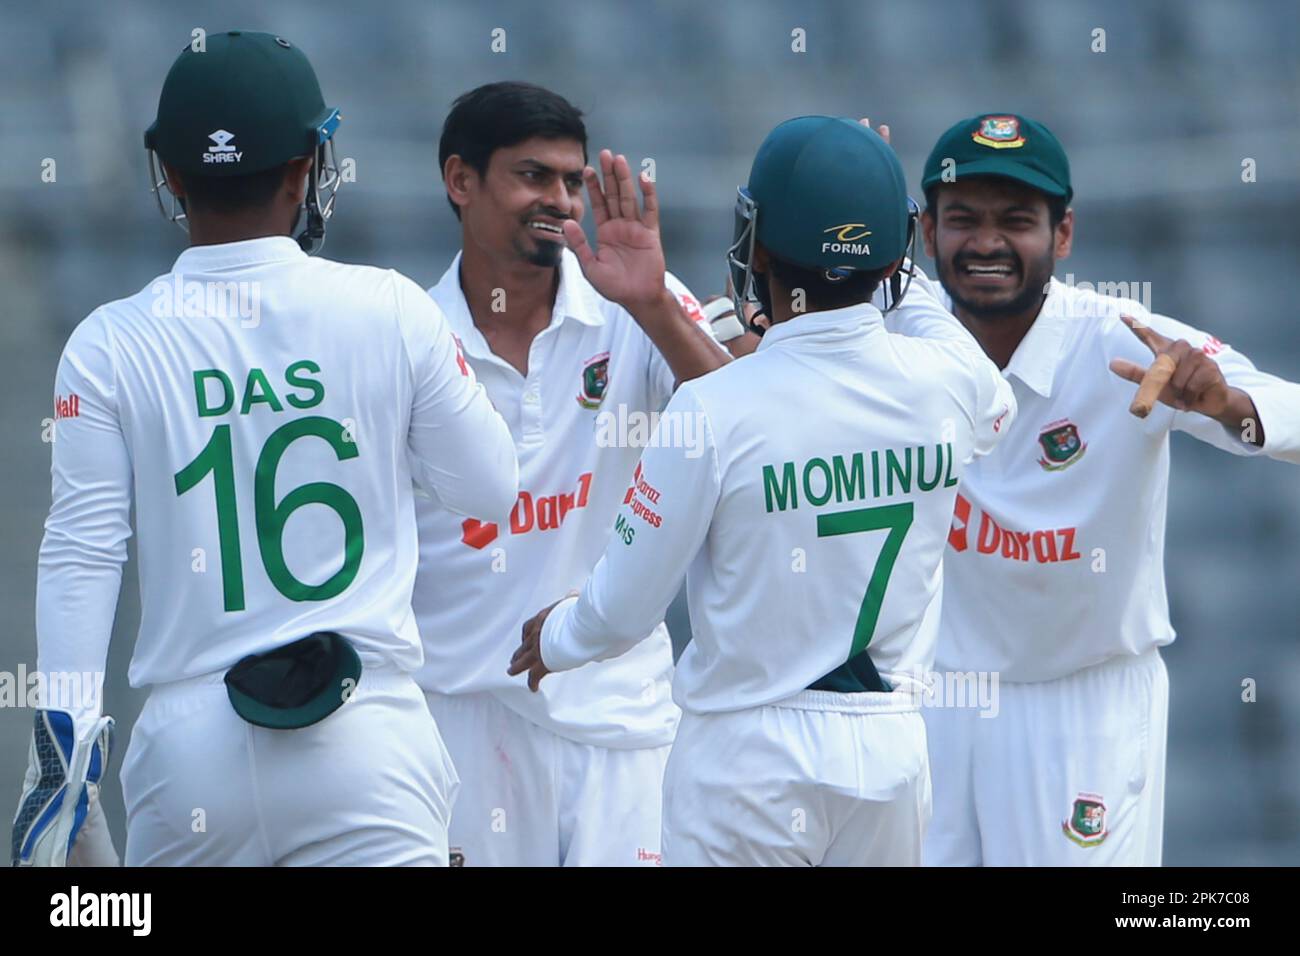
(529, 797)
(1070, 772)
(370, 785)
(819, 779)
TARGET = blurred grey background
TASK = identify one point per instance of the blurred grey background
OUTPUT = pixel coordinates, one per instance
(1157, 127)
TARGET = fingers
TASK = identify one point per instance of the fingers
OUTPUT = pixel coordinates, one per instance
(577, 240)
(1196, 381)
(1155, 386)
(536, 674)
(882, 130)
(1152, 339)
(1130, 371)
(610, 180)
(1182, 353)
(521, 660)
(1204, 379)
(613, 195)
(599, 203)
(626, 191)
(650, 199)
(527, 656)
(527, 653)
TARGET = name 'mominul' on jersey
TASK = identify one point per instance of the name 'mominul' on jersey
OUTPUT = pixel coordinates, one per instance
(266, 411)
(811, 521)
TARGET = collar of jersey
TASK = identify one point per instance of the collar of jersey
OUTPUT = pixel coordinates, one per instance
(851, 318)
(1039, 352)
(232, 255)
(575, 300)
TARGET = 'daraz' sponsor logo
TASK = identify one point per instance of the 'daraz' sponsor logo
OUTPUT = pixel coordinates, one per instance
(1045, 547)
(531, 512)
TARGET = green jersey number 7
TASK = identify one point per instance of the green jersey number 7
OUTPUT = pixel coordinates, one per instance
(897, 519)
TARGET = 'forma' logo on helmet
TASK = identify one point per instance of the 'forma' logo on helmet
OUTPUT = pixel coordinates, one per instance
(848, 239)
(842, 232)
(222, 150)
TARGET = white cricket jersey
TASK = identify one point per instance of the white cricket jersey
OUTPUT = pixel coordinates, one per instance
(1056, 555)
(264, 410)
(591, 369)
(812, 515)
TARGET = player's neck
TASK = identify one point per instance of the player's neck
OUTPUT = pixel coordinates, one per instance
(210, 230)
(515, 297)
(1000, 335)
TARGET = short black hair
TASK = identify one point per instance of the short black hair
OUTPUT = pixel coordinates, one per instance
(1056, 205)
(498, 115)
(233, 193)
(820, 294)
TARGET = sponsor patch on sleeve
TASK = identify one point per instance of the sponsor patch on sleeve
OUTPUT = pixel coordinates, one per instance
(691, 305)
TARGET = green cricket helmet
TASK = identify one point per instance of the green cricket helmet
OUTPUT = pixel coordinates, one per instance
(241, 103)
(827, 194)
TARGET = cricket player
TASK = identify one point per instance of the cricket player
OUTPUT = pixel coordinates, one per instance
(810, 528)
(577, 351)
(265, 413)
(1055, 562)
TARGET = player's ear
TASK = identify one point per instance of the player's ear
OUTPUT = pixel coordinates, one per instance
(1064, 237)
(761, 259)
(174, 183)
(891, 269)
(927, 231)
(295, 178)
(459, 178)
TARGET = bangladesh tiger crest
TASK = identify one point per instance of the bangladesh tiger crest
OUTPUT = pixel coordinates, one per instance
(595, 381)
(1062, 446)
(999, 132)
(1087, 823)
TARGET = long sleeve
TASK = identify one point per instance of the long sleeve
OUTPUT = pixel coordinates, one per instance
(460, 447)
(661, 378)
(79, 571)
(659, 529)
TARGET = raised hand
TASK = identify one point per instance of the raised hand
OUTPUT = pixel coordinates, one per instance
(1197, 383)
(627, 266)
(882, 129)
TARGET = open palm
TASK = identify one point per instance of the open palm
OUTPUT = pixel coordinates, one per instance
(627, 266)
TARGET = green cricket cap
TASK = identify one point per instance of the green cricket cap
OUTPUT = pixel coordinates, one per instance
(830, 195)
(296, 685)
(1005, 145)
(244, 103)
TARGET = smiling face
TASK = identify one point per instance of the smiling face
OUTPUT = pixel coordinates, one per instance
(994, 245)
(515, 210)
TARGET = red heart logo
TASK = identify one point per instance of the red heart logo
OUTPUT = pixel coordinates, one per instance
(476, 534)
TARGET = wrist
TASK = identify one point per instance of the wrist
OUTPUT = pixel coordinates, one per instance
(659, 308)
(1242, 417)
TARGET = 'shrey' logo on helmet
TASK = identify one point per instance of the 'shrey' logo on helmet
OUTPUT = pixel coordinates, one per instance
(999, 132)
(222, 149)
(847, 236)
